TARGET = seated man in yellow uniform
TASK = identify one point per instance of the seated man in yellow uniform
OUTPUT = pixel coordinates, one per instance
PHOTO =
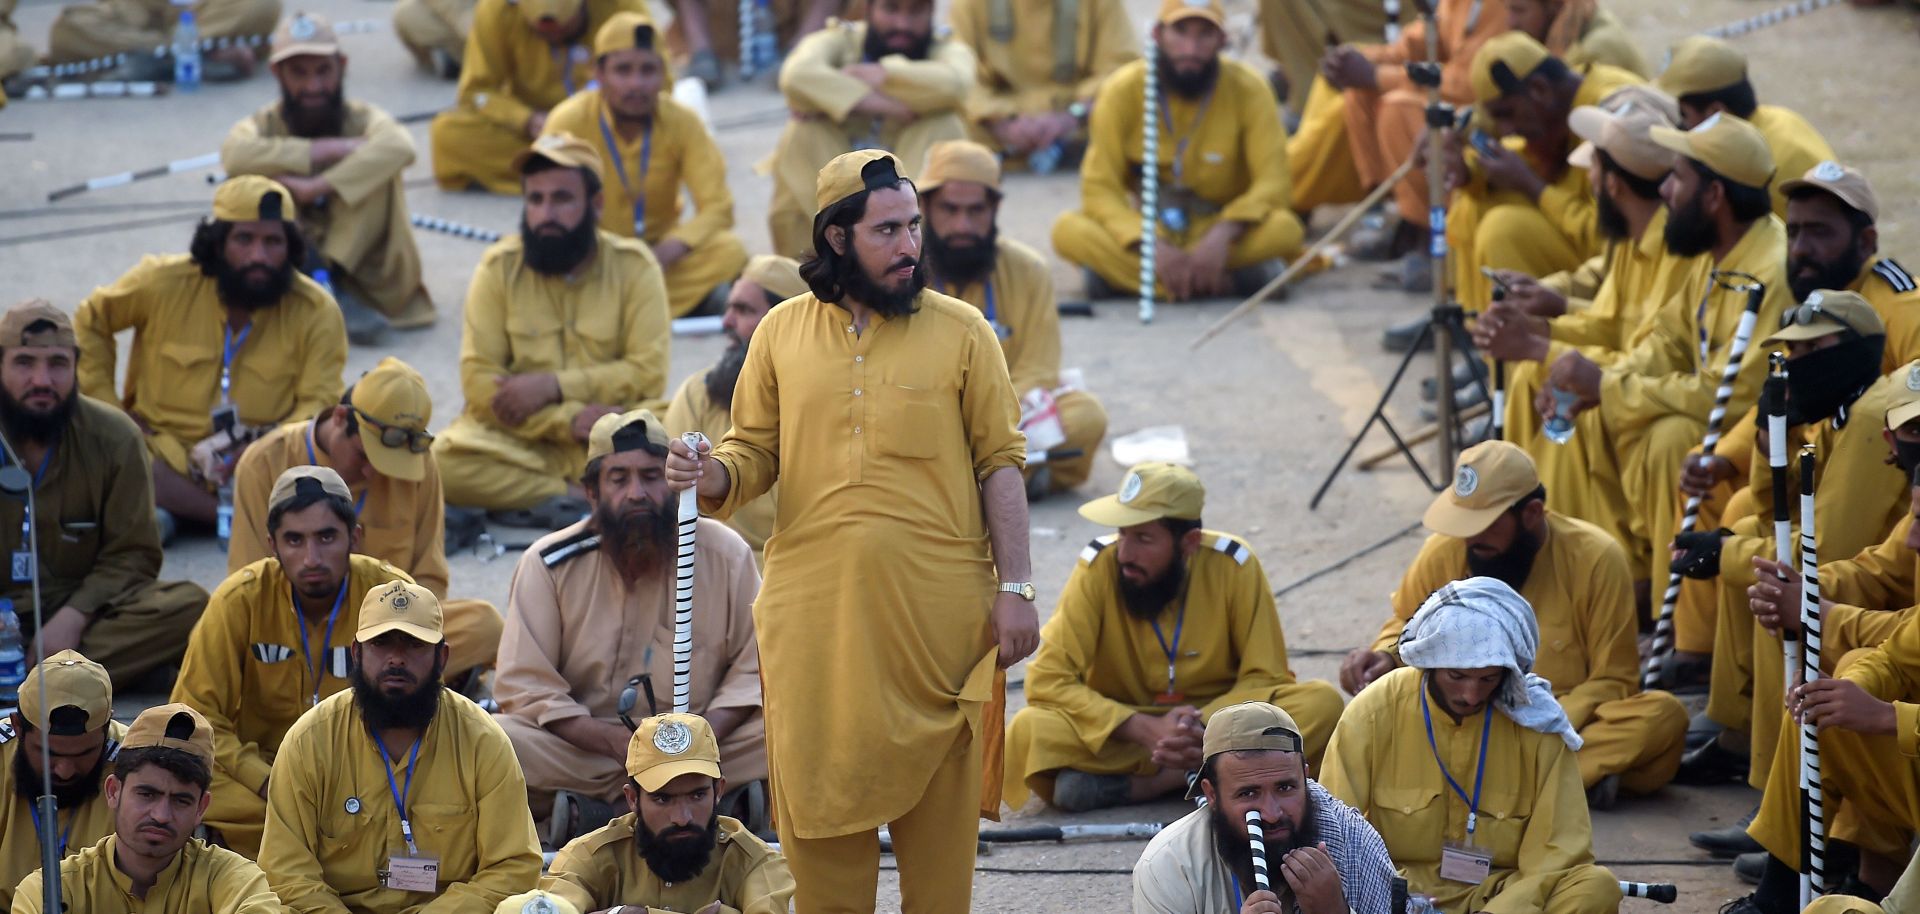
(1040, 67)
(158, 792)
(1012, 285)
(270, 645)
(565, 323)
(1709, 76)
(1833, 242)
(706, 32)
(435, 32)
(398, 794)
(522, 58)
(1494, 522)
(704, 402)
(1494, 819)
(672, 850)
(592, 610)
(1122, 683)
(344, 163)
(102, 28)
(891, 82)
(653, 147)
(376, 439)
(1295, 36)
(77, 727)
(1226, 217)
(228, 340)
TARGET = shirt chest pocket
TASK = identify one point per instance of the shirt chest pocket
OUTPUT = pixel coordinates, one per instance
(79, 545)
(186, 374)
(450, 832)
(911, 422)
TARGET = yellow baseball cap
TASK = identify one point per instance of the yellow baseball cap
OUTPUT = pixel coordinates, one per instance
(72, 681)
(1724, 143)
(1172, 11)
(538, 901)
(1504, 62)
(778, 275)
(562, 149)
(1700, 64)
(304, 33)
(626, 431)
(403, 607)
(1827, 311)
(1149, 491)
(1906, 407)
(557, 10)
(395, 396)
(959, 160)
(173, 726)
(670, 745)
(852, 172)
(623, 31)
(1845, 183)
(16, 325)
(306, 480)
(1622, 134)
(1490, 478)
(251, 198)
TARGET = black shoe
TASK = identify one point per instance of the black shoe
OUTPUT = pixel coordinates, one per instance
(1702, 730)
(1709, 765)
(365, 326)
(1730, 841)
(1251, 279)
(464, 528)
(1750, 867)
(1744, 905)
(1604, 793)
(443, 64)
(1401, 337)
(1097, 288)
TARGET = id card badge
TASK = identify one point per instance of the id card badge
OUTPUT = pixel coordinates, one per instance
(1465, 863)
(413, 873)
(22, 566)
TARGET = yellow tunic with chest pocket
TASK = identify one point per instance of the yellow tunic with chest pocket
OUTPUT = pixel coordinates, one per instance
(202, 879)
(77, 828)
(602, 869)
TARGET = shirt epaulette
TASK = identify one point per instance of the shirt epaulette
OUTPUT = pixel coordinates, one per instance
(1895, 275)
(112, 749)
(1092, 551)
(1232, 546)
(578, 544)
(7, 732)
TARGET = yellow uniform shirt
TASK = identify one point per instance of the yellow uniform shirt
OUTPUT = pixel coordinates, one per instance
(289, 365)
(1872, 589)
(1024, 59)
(1891, 672)
(262, 144)
(1639, 275)
(602, 869)
(1582, 594)
(1895, 296)
(1227, 150)
(202, 879)
(1024, 315)
(508, 71)
(872, 620)
(675, 151)
(1533, 813)
(813, 83)
(77, 828)
(1796, 147)
(693, 410)
(467, 806)
(402, 523)
(250, 666)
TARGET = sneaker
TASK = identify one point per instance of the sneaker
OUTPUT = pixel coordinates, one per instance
(1729, 841)
(575, 815)
(1604, 793)
(1078, 791)
(1750, 867)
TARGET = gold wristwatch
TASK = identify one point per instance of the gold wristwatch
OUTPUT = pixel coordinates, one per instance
(1025, 590)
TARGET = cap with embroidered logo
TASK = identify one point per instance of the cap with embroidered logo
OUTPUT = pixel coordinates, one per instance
(1503, 64)
(1149, 491)
(779, 276)
(1700, 64)
(959, 160)
(667, 746)
(538, 901)
(36, 322)
(306, 480)
(1724, 143)
(403, 607)
(1906, 394)
(1848, 184)
(304, 33)
(71, 681)
(852, 172)
(173, 726)
(562, 149)
(253, 198)
(629, 431)
(1826, 312)
(394, 395)
(1489, 479)
(1173, 11)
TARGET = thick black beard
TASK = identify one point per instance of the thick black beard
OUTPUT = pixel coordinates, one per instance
(1609, 218)
(1835, 274)
(724, 374)
(1230, 840)
(676, 861)
(42, 427)
(875, 46)
(646, 539)
(557, 256)
(244, 290)
(1906, 456)
(1512, 566)
(1147, 601)
(412, 711)
(327, 120)
(67, 795)
(1187, 85)
(1689, 232)
(960, 265)
(856, 285)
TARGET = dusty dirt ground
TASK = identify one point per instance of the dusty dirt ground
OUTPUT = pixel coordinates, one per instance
(1265, 409)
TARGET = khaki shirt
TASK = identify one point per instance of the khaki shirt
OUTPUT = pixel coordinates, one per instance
(509, 72)
(872, 621)
(1895, 296)
(1025, 317)
(202, 879)
(261, 144)
(603, 333)
(603, 868)
(1638, 275)
(692, 410)
(813, 84)
(289, 366)
(402, 523)
(250, 665)
(467, 806)
(675, 151)
(78, 827)
(1019, 70)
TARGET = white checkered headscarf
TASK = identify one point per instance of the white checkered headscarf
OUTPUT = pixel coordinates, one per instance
(1479, 623)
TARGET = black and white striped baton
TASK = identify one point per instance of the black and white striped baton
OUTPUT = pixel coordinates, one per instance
(683, 589)
(1813, 870)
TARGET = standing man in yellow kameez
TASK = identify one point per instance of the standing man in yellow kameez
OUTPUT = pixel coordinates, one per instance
(885, 411)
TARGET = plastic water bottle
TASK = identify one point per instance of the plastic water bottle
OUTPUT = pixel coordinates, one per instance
(1043, 161)
(223, 525)
(186, 53)
(764, 51)
(13, 656)
(324, 278)
(1559, 426)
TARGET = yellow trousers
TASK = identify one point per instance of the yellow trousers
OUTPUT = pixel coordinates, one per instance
(1640, 738)
(484, 467)
(428, 25)
(717, 261)
(16, 53)
(1695, 615)
(1042, 740)
(469, 149)
(1293, 34)
(1650, 460)
(1584, 889)
(1382, 129)
(1084, 242)
(1871, 794)
(808, 145)
(1582, 476)
(1319, 154)
(933, 845)
(87, 30)
(371, 242)
(145, 628)
(1730, 696)
(1084, 421)
(552, 764)
(1500, 229)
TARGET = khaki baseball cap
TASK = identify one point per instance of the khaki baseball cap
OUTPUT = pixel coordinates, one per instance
(557, 10)
(1906, 406)
(959, 160)
(303, 480)
(1149, 491)
(174, 726)
(624, 432)
(1504, 62)
(625, 31)
(395, 396)
(1826, 312)
(15, 324)
(1724, 143)
(776, 274)
(1250, 725)
(1173, 11)
(852, 172)
(670, 745)
(1490, 478)
(538, 901)
(72, 681)
(1846, 183)
(251, 198)
(1622, 135)
(1700, 64)
(400, 606)
(562, 149)
(304, 33)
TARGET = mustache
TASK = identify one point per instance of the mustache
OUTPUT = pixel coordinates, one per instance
(400, 674)
(171, 832)
(904, 263)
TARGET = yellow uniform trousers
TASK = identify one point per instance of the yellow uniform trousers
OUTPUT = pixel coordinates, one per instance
(933, 844)
(809, 144)
(88, 30)
(425, 26)
(712, 263)
(1582, 476)
(1293, 34)
(1694, 615)
(1320, 154)
(1084, 421)
(1650, 460)
(1639, 737)
(470, 149)
(143, 628)
(1080, 239)
(484, 467)
(552, 763)
(1381, 130)
(1870, 789)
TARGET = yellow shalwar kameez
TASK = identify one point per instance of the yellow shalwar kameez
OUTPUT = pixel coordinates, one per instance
(1222, 157)
(603, 332)
(467, 806)
(202, 879)
(78, 828)
(1294, 35)
(507, 74)
(362, 227)
(289, 365)
(254, 665)
(1098, 666)
(822, 126)
(1033, 69)
(1581, 591)
(1027, 321)
(1895, 296)
(425, 26)
(1532, 814)
(87, 30)
(877, 653)
(693, 410)
(674, 151)
(599, 870)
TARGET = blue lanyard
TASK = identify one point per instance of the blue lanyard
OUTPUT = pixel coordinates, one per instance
(639, 198)
(565, 62)
(34, 808)
(306, 648)
(400, 793)
(992, 311)
(1171, 650)
(1180, 145)
(26, 512)
(1479, 771)
(227, 354)
(314, 459)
